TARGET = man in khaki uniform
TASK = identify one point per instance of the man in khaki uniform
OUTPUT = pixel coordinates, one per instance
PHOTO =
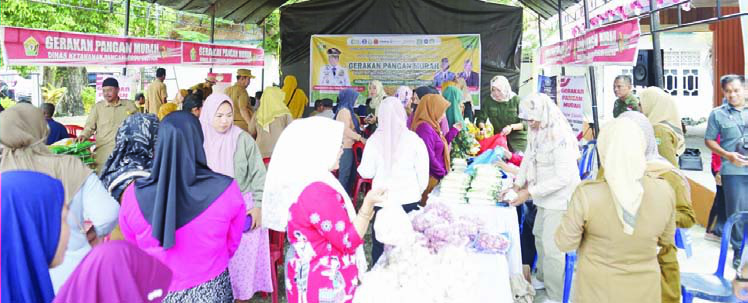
(155, 93)
(105, 119)
(206, 87)
(240, 97)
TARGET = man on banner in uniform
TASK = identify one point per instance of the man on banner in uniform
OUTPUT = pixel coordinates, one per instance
(105, 119)
(443, 75)
(333, 74)
(206, 87)
(624, 92)
(155, 93)
(240, 97)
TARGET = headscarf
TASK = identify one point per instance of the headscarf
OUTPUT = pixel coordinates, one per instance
(425, 90)
(271, 106)
(430, 111)
(392, 125)
(454, 112)
(447, 84)
(656, 163)
(132, 156)
(219, 147)
(23, 132)
(32, 205)
(290, 170)
(116, 271)
(554, 131)
(502, 84)
(379, 95)
(404, 94)
(347, 99)
(181, 186)
(295, 98)
(622, 146)
(166, 109)
(660, 108)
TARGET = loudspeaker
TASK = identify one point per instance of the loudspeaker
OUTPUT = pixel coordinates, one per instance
(643, 73)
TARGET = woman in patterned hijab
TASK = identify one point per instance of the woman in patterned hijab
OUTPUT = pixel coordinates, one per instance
(133, 153)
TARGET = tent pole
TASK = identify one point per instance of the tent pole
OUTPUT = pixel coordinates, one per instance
(264, 30)
(593, 88)
(212, 26)
(560, 32)
(654, 23)
(127, 28)
(540, 39)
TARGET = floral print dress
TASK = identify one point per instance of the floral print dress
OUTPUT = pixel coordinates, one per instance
(324, 267)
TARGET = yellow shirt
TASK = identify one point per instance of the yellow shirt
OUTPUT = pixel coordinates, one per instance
(155, 95)
(240, 97)
(104, 121)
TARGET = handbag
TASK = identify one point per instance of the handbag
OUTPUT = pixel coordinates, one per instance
(691, 160)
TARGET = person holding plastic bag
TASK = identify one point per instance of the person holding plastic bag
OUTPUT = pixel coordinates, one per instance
(502, 111)
(548, 174)
(397, 159)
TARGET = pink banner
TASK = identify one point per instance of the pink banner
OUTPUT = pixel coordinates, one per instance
(221, 55)
(23, 46)
(615, 44)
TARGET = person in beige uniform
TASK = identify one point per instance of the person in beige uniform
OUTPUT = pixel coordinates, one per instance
(105, 119)
(206, 87)
(155, 93)
(617, 222)
(238, 93)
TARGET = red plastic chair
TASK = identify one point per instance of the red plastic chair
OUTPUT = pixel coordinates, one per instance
(361, 183)
(73, 130)
(277, 242)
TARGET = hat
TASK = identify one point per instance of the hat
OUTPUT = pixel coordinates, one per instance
(243, 72)
(110, 82)
(333, 51)
(211, 78)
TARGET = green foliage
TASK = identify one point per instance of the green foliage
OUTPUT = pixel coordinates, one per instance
(192, 36)
(7, 102)
(88, 95)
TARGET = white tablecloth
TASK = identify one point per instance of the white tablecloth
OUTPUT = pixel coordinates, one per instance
(498, 220)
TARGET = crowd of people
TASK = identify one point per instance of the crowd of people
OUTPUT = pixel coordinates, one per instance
(182, 198)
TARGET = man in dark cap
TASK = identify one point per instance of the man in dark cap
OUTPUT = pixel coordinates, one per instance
(333, 74)
(193, 104)
(104, 120)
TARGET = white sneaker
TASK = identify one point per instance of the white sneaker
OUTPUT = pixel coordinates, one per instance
(537, 284)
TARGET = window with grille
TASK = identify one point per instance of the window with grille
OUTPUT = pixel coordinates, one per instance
(690, 82)
(671, 81)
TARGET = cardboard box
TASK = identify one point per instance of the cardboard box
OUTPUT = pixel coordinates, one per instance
(702, 199)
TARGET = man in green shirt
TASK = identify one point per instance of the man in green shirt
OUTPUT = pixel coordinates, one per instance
(626, 100)
(105, 119)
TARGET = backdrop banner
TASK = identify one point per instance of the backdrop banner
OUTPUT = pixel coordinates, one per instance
(572, 91)
(353, 61)
(614, 44)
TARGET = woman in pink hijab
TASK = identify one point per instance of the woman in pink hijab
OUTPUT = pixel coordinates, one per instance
(117, 271)
(232, 152)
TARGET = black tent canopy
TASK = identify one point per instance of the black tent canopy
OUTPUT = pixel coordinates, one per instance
(499, 26)
(240, 11)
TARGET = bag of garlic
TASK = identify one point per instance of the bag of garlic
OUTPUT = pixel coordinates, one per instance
(393, 225)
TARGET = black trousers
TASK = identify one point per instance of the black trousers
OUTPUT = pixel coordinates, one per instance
(527, 240)
(718, 214)
(377, 248)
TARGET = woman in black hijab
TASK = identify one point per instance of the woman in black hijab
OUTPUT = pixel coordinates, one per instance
(186, 215)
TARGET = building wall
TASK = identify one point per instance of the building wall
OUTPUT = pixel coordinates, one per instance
(728, 50)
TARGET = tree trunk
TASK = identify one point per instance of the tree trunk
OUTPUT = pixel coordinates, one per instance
(75, 80)
(50, 73)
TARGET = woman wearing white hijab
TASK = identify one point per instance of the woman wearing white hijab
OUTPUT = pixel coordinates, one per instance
(502, 110)
(617, 222)
(548, 174)
(323, 228)
(397, 159)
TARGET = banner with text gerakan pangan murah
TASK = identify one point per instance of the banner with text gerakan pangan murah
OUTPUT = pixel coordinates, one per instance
(353, 61)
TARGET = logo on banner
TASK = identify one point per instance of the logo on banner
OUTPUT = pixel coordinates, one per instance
(193, 54)
(31, 47)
